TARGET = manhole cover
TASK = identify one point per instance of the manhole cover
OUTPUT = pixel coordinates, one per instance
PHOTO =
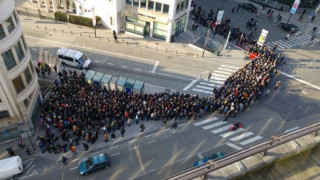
(190, 54)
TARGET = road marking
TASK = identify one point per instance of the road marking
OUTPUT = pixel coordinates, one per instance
(191, 84)
(110, 64)
(231, 132)
(241, 136)
(203, 87)
(135, 147)
(250, 140)
(155, 67)
(169, 75)
(233, 146)
(219, 75)
(202, 91)
(205, 121)
(200, 155)
(181, 124)
(137, 69)
(32, 174)
(166, 130)
(225, 69)
(152, 141)
(132, 141)
(149, 135)
(167, 136)
(222, 72)
(115, 154)
(66, 44)
(302, 81)
(209, 84)
(73, 168)
(232, 67)
(97, 61)
(124, 66)
(214, 125)
(221, 129)
(113, 147)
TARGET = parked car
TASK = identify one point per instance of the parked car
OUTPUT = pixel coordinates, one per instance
(289, 27)
(249, 7)
(90, 164)
(11, 167)
(206, 159)
(73, 58)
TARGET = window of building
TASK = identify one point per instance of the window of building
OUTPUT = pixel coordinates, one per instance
(24, 43)
(8, 59)
(136, 3)
(19, 51)
(27, 74)
(187, 4)
(165, 8)
(31, 67)
(15, 17)
(160, 30)
(111, 20)
(2, 35)
(143, 3)
(4, 114)
(129, 2)
(150, 5)
(178, 8)
(182, 5)
(18, 84)
(158, 7)
(9, 24)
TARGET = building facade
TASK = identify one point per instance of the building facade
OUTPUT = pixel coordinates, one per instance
(155, 18)
(20, 96)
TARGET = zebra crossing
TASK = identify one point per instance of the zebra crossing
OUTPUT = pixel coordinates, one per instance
(221, 128)
(292, 42)
(29, 168)
(218, 77)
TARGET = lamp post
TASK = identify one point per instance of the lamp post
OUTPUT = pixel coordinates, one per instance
(27, 131)
(206, 41)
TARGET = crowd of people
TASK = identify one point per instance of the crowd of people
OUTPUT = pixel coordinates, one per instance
(83, 112)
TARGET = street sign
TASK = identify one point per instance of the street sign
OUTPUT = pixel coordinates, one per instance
(219, 18)
(295, 6)
(262, 38)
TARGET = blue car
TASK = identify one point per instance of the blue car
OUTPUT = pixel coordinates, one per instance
(206, 159)
(94, 163)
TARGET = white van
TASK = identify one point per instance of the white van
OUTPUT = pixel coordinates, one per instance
(11, 167)
(73, 58)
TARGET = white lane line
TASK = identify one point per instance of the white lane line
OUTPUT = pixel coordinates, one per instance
(232, 67)
(202, 91)
(169, 75)
(232, 132)
(32, 174)
(221, 129)
(233, 146)
(110, 64)
(109, 52)
(115, 154)
(206, 121)
(137, 69)
(200, 155)
(241, 136)
(149, 135)
(155, 67)
(204, 87)
(209, 84)
(191, 84)
(181, 124)
(166, 130)
(250, 140)
(113, 147)
(152, 141)
(132, 141)
(30, 169)
(124, 66)
(167, 136)
(73, 168)
(97, 61)
(302, 81)
(214, 125)
(135, 147)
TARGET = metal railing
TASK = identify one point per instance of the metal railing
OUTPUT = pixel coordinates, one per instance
(247, 152)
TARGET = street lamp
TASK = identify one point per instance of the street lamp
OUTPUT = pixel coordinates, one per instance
(27, 131)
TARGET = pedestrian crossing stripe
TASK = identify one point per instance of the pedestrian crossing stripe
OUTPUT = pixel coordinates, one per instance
(204, 87)
(213, 125)
(214, 81)
(225, 69)
(221, 129)
(241, 136)
(292, 42)
(222, 72)
(209, 84)
(250, 140)
(232, 132)
(217, 78)
(202, 91)
(232, 67)
(219, 75)
(205, 121)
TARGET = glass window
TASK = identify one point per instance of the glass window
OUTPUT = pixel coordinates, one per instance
(131, 19)
(26, 102)
(9, 24)
(187, 4)
(177, 9)
(160, 30)
(111, 20)
(19, 51)
(24, 43)
(143, 3)
(150, 5)
(18, 84)
(15, 17)
(129, 2)
(2, 35)
(8, 59)
(158, 7)
(136, 3)
(4, 114)
(165, 8)
(129, 27)
(31, 67)
(182, 5)
(27, 75)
